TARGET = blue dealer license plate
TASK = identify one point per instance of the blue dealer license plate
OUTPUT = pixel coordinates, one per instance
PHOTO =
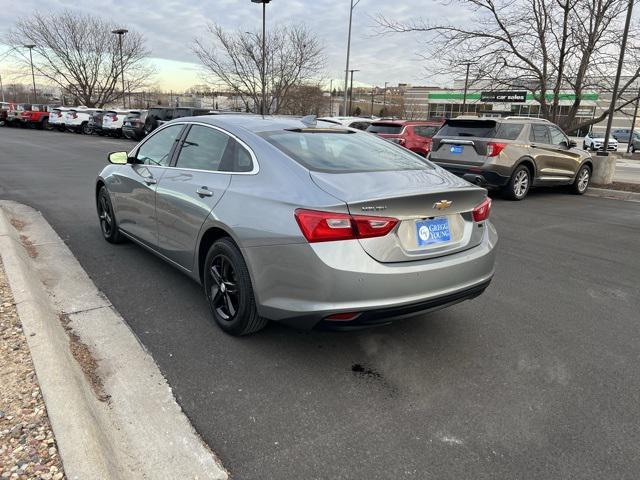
(434, 230)
(457, 149)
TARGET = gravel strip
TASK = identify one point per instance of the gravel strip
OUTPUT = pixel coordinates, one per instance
(27, 445)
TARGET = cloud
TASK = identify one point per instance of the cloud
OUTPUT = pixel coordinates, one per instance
(171, 25)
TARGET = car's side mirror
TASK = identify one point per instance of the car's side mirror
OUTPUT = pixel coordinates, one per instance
(118, 158)
(572, 144)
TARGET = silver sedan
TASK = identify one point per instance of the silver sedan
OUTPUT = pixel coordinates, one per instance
(299, 222)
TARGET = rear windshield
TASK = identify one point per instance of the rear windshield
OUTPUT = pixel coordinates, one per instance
(426, 131)
(481, 129)
(388, 128)
(342, 151)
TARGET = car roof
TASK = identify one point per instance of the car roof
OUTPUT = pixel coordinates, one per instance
(256, 123)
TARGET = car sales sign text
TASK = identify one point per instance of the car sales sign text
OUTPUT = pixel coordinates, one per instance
(507, 97)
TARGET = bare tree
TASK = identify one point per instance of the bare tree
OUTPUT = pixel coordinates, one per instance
(79, 54)
(306, 100)
(546, 47)
(294, 57)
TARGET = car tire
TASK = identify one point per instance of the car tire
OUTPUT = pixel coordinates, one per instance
(85, 128)
(581, 182)
(584, 146)
(519, 184)
(228, 289)
(107, 218)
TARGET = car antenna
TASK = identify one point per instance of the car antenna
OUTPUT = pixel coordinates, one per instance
(309, 120)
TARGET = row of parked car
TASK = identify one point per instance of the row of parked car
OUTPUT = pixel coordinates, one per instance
(133, 124)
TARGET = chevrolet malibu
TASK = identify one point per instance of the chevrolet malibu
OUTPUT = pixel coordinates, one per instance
(299, 222)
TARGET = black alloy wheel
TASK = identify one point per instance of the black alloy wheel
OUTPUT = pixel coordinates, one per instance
(107, 218)
(229, 292)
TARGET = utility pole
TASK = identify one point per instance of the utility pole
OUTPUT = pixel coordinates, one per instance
(373, 89)
(354, 4)
(33, 75)
(633, 123)
(120, 32)
(347, 114)
(1, 87)
(614, 94)
(331, 98)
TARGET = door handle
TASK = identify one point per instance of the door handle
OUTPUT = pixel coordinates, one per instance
(204, 192)
(150, 181)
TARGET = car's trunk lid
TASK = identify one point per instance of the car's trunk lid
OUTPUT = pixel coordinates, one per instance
(430, 199)
(463, 142)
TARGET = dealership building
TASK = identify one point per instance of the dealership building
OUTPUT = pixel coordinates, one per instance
(436, 103)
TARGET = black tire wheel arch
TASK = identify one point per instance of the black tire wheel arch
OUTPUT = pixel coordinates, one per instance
(578, 186)
(228, 289)
(107, 217)
(513, 189)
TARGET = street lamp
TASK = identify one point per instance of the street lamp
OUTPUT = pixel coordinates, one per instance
(33, 75)
(120, 32)
(384, 99)
(466, 86)
(351, 93)
(354, 4)
(264, 52)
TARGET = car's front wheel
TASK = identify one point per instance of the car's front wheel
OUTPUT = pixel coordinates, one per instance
(581, 183)
(107, 217)
(519, 184)
(227, 286)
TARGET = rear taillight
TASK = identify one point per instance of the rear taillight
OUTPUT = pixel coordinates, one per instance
(329, 226)
(481, 212)
(115, 118)
(494, 149)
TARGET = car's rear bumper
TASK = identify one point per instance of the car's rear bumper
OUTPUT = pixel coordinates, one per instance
(303, 284)
(477, 176)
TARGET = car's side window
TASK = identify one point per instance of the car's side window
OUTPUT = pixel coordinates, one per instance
(237, 158)
(540, 133)
(557, 136)
(157, 149)
(203, 149)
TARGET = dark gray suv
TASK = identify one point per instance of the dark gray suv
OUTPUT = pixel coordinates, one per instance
(512, 153)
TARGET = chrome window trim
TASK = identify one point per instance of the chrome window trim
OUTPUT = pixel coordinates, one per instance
(254, 159)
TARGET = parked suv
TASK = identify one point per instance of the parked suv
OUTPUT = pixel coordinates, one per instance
(4, 111)
(512, 153)
(37, 116)
(159, 115)
(622, 135)
(595, 142)
(133, 126)
(56, 118)
(412, 135)
(14, 115)
(77, 119)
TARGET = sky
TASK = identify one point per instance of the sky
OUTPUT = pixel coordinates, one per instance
(170, 26)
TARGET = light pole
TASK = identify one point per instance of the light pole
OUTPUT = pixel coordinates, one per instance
(384, 99)
(616, 84)
(466, 86)
(354, 4)
(351, 93)
(120, 32)
(264, 52)
(33, 75)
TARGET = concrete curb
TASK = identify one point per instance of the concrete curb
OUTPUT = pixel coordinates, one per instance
(140, 432)
(613, 194)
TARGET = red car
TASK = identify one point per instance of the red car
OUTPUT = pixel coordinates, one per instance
(411, 134)
(36, 116)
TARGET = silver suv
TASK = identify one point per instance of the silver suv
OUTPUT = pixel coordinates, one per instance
(512, 153)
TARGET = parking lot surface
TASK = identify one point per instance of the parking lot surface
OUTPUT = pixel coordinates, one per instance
(537, 378)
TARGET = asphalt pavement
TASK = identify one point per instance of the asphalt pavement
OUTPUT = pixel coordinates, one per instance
(538, 378)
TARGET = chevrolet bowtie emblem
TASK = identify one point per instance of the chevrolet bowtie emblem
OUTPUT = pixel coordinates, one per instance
(442, 204)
